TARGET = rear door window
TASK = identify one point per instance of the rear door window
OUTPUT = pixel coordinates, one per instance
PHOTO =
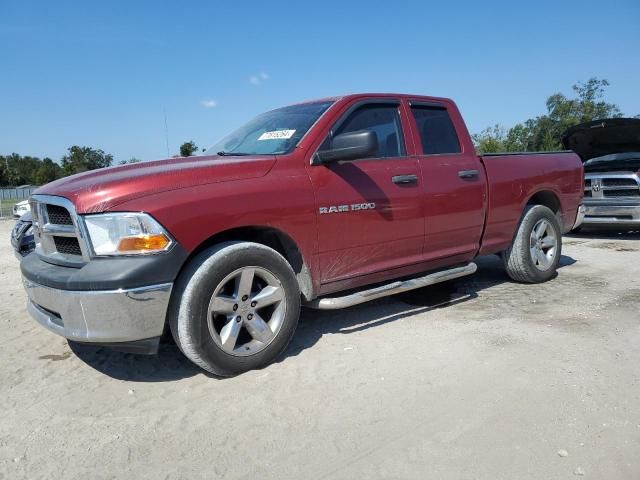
(436, 130)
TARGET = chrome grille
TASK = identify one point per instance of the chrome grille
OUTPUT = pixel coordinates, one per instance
(58, 232)
(612, 185)
(622, 193)
(59, 215)
(67, 245)
(619, 182)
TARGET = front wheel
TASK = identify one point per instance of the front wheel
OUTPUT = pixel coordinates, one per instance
(535, 252)
(238, 309)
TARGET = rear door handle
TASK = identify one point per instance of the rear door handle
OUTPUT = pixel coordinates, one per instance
(468, 173)
(404, 179)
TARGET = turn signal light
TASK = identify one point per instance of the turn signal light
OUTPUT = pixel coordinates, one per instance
(144, 243)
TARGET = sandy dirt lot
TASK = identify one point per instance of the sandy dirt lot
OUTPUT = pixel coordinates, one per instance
(479, 378)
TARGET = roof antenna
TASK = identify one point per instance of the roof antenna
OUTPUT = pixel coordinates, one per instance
(166, 130)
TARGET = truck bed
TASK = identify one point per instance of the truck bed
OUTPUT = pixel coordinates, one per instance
(514, 178)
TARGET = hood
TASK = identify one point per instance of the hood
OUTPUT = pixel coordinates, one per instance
(100, 190)
(603, 137)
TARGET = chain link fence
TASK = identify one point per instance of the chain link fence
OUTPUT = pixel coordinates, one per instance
(9, 196)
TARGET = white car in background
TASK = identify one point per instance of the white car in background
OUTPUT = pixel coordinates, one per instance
(21, 208)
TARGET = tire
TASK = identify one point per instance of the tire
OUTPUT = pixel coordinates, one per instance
(220, 330)
(533, 257)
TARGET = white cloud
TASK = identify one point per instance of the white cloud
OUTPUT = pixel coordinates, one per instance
(209, 103)
(258, 78)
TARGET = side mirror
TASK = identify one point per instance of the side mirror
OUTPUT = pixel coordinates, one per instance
(350, 146)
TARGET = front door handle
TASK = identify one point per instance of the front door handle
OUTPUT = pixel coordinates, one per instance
(404, 179)
(468, 173)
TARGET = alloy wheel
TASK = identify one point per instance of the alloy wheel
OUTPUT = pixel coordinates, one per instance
(543, 244)
(246, 311)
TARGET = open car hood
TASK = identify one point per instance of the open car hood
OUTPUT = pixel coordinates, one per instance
(603, 137)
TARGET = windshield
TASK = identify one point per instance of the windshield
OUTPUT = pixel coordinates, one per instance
(274, 132)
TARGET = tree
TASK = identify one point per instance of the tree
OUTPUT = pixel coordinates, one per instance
(187, 149)
(490, 139)
(80, 159)
(26, 170)
(545, 132)
(4, 171)
(131, 160)
(21, 170)
(48, 171)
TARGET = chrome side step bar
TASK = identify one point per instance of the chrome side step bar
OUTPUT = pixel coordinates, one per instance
(363, 296)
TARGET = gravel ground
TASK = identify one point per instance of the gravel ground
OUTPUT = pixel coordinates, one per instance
(479, 378)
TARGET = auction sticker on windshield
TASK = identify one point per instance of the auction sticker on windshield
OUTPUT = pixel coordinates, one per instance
(277, 135)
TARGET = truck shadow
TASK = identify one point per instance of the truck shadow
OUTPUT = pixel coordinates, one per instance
(606, 233)
(316, 323)
(170, 364)
(167, 366)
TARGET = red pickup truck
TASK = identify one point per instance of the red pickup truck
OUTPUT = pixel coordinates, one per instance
(326, 204)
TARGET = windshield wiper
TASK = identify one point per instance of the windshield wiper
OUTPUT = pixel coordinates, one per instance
(222, 153)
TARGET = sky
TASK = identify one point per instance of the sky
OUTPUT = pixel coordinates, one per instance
(104, 74)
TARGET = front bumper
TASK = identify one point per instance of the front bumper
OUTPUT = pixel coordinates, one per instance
(131, 319)
(579, 217)
(614, 214)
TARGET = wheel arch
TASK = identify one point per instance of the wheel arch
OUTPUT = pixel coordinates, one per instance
(270, 237)
(549, 199)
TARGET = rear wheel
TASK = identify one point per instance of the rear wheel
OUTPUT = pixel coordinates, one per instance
(535, 252)
(238, 309)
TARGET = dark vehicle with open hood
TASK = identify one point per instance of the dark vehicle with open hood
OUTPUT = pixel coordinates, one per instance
(22, 239)
(610, 150)
(326, 204)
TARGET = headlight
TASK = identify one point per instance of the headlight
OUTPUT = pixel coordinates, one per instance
(126, 234)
